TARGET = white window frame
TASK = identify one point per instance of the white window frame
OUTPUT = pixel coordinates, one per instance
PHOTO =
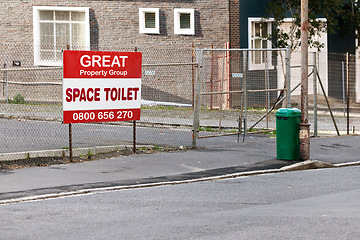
(253, 65)
(142, 23)
(177, 29)
(36, 32)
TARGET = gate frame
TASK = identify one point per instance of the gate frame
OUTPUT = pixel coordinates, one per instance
(198, 94)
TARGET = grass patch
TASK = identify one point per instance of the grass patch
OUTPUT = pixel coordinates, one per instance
(208, 129)
(156, 148)
(256, 109)
(17, 99)
(263, 131)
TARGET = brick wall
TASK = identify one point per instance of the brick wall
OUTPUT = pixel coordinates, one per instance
(116, 23)
(234, 23)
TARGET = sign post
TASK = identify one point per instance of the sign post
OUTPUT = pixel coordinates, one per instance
(101, 86)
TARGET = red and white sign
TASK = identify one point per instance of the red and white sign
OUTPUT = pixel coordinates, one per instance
(101, 86)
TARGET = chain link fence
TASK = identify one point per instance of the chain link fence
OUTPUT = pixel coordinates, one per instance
(31, 104)
(332, 92)
(240, 91)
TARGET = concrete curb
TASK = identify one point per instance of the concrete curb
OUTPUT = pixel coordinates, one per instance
(315, 164)
(306, 165)
(77, 152)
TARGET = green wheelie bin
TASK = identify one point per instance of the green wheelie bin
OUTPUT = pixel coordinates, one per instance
(287, 133)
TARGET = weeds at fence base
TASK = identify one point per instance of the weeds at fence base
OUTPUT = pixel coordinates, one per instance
(49, 161)
(270, 132)
(32, 162)
(18, 99)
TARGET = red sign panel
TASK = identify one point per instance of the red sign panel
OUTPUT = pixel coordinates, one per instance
(101, 86)
(96, 64)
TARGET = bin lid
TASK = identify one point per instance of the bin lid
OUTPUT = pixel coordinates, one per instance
(288, 112)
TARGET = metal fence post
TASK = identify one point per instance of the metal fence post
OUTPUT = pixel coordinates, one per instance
(134, 125)
(199, 54)
(70, 129)
(70, 143)
(347, 96)
(315, 95)
(6, 80)
(221, 90)
(193, 71)
(288, 72)
(267, 87)
(245, 92)
(343, 84)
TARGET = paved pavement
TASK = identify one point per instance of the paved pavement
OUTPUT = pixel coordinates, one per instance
(33, 127)
(213, 157)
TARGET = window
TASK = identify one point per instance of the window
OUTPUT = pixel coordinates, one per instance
(184, 21)
(55, 28)
(259, 30)
(149, 20)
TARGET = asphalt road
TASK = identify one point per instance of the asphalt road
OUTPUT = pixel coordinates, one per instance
(313, 204)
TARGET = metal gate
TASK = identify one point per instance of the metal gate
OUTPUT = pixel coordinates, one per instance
(237, 89)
